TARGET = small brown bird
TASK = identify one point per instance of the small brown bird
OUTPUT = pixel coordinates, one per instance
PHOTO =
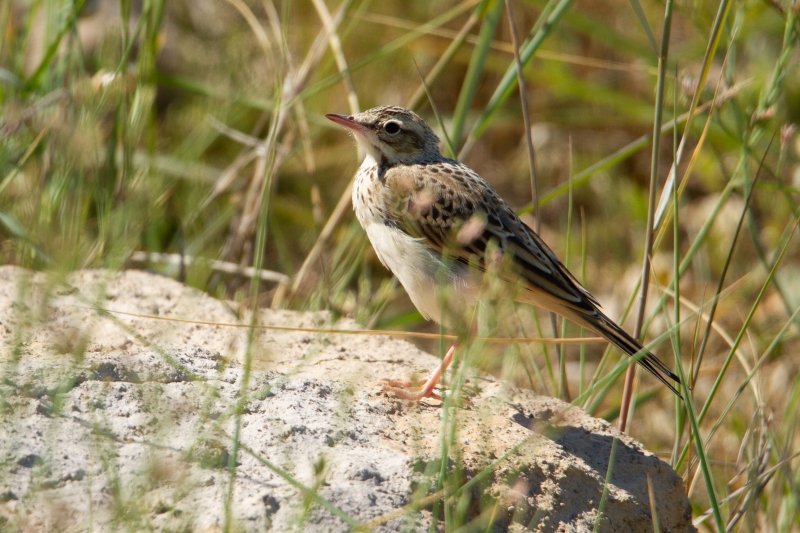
(438, 226)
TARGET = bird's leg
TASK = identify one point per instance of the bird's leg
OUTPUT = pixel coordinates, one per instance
(402, 389)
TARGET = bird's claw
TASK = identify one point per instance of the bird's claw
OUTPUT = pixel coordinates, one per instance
(404, 390)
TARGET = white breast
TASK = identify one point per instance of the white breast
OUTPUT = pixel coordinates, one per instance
(412, 262)
(418, 267)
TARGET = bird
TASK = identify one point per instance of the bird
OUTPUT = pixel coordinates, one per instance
(438, 226)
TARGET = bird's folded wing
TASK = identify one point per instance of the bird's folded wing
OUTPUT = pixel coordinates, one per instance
(457, 214)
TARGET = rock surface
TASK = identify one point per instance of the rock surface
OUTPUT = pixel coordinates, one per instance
(127, 422)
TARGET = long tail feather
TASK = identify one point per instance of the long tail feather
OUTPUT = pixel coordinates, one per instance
(609, 330)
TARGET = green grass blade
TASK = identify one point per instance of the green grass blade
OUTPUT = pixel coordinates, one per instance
(475, 68)
(607, 162)
(509, 82)
(456, 44)
(385, 50)
(35, 79)
(627, 393)
(637, 8)
(742, 331)
(711, 48)
(607, 483)
(748, 197)
(450, 148)
(708, 477)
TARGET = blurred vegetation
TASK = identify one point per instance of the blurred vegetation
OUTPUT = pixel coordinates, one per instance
(196, 128)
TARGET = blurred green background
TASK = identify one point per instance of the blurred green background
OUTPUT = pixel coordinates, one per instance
(197, 128)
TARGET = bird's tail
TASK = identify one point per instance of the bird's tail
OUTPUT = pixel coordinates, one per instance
(609, 330)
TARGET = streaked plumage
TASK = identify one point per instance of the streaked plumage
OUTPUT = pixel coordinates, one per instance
(422, 211)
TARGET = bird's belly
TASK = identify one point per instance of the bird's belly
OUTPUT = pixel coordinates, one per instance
(429, 282)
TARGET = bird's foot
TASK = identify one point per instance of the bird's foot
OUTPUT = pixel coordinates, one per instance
(406, 390)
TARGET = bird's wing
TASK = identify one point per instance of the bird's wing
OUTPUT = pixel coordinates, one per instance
(458, 214)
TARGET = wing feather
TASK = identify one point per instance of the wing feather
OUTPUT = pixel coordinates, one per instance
(440, 206)
(459, 215)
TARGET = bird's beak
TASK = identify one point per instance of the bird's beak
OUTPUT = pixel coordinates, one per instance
(348, 122)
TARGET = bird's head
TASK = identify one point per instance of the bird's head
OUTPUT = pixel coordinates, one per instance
(392, 134)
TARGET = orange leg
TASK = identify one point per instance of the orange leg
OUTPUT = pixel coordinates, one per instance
(402, 389)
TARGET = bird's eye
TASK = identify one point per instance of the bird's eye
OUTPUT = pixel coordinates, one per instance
(391, 127)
